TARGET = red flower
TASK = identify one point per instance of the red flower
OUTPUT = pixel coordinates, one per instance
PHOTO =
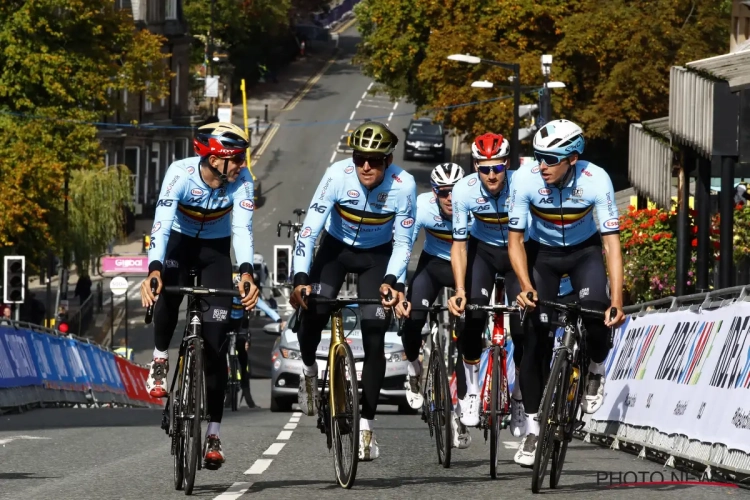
(695, 242)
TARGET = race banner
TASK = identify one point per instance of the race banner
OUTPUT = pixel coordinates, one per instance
(683, 373)
(125, 265)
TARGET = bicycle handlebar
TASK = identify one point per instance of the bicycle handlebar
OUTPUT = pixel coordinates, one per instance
(191, 290)
(574, 307)
(495, 308)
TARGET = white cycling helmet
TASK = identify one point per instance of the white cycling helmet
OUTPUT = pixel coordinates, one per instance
(446, 174)
(559, 138)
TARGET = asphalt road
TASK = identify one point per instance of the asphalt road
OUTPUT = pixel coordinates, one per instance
(122, 453)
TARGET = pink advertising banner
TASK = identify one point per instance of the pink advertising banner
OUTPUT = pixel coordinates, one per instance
(125, 265)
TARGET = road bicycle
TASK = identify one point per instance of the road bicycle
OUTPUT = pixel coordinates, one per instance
(338, 407)
(185, 407)
(233, 366)
(560, 409)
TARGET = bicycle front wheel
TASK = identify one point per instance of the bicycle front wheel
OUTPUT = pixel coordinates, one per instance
(554, 392)
(178, 448)
(345, 424)
(498, 405)
(441, 409)
(193, 392)
(234, 373)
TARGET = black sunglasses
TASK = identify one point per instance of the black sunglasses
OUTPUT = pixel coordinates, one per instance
(443, 193)
(486, 169)
(375, 162)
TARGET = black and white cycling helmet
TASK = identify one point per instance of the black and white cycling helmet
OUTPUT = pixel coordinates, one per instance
(557, 140)
(446, 175)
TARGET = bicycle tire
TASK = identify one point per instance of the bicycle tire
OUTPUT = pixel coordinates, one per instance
(495, 407)
(177, 436)
(341, 386)
(569, 419)
(555, 385)
(194, 407)
(233, 384)
(442, 412)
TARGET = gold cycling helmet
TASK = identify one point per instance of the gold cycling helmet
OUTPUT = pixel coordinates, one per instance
(373, 138)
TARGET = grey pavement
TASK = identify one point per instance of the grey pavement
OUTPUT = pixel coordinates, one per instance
(122, 453)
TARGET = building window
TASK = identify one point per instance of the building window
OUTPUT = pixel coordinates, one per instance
(171, 9)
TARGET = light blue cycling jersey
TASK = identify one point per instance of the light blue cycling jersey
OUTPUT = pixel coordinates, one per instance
(563, 217)
(189, 206)
(490, 212)
(360, 218)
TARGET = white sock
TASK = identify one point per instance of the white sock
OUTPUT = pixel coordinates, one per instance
(310, 371)
(413, 368)
(472, 378)
(213, 429)
(160, 354)
(597, 368)
(517, 389)
(365, 425)
(532, 426)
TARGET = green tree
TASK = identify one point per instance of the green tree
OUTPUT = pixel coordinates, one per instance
(63, 63)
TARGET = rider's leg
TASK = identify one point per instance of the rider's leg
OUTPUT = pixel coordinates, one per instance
(326, 277)
(518, 414)
(588, 277)
(244, 361)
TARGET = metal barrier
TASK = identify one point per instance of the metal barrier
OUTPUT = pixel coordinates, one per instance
(675, 449)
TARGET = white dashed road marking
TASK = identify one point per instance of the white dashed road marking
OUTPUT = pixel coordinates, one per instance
(284, 435)
(274, 449)
(260, 466)
(234, 491)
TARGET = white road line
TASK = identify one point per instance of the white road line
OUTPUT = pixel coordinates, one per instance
(260, 466)
(284, 436)
(346, 127)
(290, 426)
(394, 106)
(364, 94)
(370, 86)
(358, 104)
(351, 117)
(333, 157)
(294, 419)
(299, 413)
(374, 106)
(274, 449)
(14, 438)
(390, 116)
(234, 491)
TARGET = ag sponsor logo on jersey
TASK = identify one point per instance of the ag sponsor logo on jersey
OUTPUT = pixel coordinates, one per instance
(353, 193)
(545, 191)
(191, 170)
(382, 197)
(612, 224)
(472, 181)
(247, 205)
(407, 222)
(155, 227)
(305, 232)
(348, 170)
(196, 192)
(481, 200)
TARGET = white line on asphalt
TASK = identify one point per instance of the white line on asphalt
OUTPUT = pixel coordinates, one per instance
(358, 104)
(333, 157)
(284, 435)
(370, 86)
(294, 419)
(297, 414)
(374, 106)
(259, 466)
(234, 491)
(274, 449)
(390, 116)
(346, 128)
(394, 106)
(14, 438)
(364, 94)
(290, 426)
(351, 117)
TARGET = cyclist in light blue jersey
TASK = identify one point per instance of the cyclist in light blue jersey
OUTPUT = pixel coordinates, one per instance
(371, 203)
(205, 206)
(480, 253)
(561, 193)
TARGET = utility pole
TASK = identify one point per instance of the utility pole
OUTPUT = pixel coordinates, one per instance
(211, 53)
(545, 104)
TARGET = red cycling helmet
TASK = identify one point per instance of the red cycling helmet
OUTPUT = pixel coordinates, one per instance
(490, 146)
(220, 139)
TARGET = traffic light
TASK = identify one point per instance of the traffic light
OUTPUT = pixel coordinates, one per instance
(282, 263)
(14, 279)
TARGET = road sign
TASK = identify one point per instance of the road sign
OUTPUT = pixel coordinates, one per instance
(212, 86)
(119, 285)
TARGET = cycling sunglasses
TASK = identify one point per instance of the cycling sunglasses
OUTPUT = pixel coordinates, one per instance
(548, 158)
(443, 193)
(238, 158)
(486, 169)
(375, 162)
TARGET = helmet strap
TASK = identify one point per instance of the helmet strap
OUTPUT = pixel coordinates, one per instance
(566, 178)
(222, 176)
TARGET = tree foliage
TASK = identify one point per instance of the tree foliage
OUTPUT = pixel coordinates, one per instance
(613, 56)
(63, 61)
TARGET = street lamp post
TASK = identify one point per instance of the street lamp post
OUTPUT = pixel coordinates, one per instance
(211, 52)
(546, 104)
(515, 148)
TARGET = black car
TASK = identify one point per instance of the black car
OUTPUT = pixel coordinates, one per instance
(425, 139)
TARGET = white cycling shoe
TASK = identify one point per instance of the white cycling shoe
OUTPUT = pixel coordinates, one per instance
(470, 410)
(414, 394)
(368, 446)
(308, 395)
(461, 436)
(517, 418)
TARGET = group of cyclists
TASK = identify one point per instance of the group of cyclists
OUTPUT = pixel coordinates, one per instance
(531, 226)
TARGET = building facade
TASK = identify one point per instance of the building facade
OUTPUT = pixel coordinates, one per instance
(164, 134)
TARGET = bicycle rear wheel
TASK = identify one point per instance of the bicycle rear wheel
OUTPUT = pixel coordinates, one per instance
(345, 425)
(178, 449)
(548, 424)
(441, 410)
(193, 391)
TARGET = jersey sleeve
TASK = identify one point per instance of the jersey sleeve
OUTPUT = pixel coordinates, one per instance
(518, 215)
(460, 212)
(242, 223)
(317, 213)
(172, 191)
(402, 234)
(606, 208)
(418, 224)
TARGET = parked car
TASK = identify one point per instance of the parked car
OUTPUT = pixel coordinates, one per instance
(425, 139)
(286, 362)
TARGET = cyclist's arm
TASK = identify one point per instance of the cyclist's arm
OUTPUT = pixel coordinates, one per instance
(172, 190)
(263, 306)
(609, 226)
(518, 220)
(460, 235)
(406, 211)
(401, 285)
(242, 222)
(317, 213)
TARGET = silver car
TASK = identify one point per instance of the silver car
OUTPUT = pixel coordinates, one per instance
(286, 362)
